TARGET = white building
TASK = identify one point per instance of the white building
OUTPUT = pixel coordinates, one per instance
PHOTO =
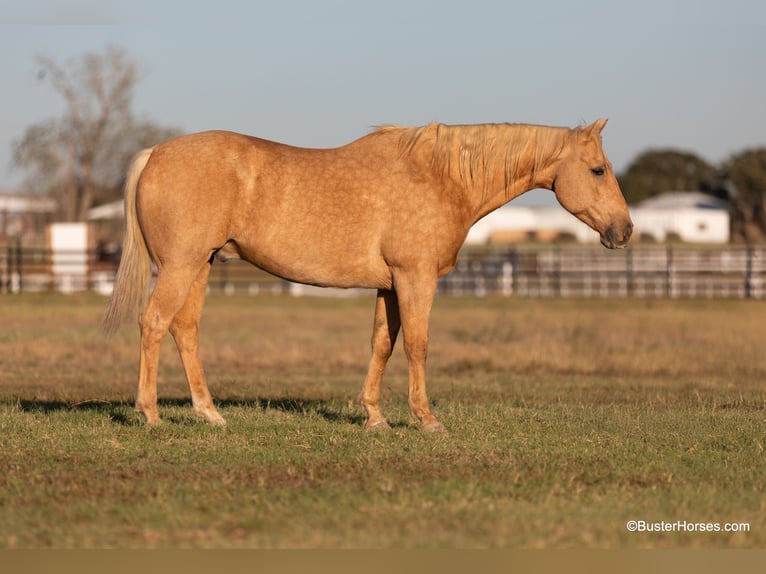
(689, 216)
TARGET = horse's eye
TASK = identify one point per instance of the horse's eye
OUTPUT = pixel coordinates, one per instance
(598, 170)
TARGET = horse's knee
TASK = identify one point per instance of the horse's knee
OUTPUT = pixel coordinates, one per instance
(416, 351)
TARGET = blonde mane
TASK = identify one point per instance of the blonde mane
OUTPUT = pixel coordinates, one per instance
(480, 150)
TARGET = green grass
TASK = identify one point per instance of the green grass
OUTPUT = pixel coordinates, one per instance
(566, 419)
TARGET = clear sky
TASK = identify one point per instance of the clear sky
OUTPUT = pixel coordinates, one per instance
(687, 74)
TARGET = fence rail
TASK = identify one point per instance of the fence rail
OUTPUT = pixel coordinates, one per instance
(557, 271)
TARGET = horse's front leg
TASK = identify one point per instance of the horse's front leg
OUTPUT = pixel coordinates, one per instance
(384, 332)
(415, 294)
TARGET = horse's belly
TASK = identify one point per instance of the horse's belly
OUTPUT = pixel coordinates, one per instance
(342, 276)
(337, 268)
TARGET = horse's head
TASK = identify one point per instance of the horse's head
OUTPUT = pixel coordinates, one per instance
(585, 185)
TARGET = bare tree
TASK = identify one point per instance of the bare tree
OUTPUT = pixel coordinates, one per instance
(74, 158)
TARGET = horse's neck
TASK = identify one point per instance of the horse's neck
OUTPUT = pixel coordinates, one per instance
(532, 172)
(491, 164)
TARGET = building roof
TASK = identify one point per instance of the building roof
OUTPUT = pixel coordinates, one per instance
(113, 210)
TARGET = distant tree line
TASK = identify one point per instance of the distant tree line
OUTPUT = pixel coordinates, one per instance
(80, 159)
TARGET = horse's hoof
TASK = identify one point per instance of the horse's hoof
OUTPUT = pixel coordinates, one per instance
(210, 414)
(434, 427)
(380, 425)
(214, 419)
(217, 421)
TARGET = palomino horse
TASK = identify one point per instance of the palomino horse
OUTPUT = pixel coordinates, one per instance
(388, 211)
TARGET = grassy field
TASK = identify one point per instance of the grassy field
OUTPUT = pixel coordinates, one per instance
(567, 419)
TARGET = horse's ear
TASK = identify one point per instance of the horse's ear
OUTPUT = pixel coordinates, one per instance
(596, 127)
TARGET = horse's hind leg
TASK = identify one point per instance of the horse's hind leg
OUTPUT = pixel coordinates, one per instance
(185, 331)
(166, 300)
(384, 332)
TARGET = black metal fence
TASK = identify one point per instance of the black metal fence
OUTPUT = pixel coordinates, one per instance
(526, 271)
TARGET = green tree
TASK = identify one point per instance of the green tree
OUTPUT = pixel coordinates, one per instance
(745, 181)
(80, 158)
(658, 171)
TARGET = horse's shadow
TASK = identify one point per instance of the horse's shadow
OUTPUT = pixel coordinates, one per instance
(122, 413)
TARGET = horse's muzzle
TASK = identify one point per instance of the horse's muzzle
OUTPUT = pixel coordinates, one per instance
(617, 236)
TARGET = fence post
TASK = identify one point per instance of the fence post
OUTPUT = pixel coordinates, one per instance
(8, 269)
(669, 273)
(749, 273)
(5, 272)
(506, 280)
(19, 265)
